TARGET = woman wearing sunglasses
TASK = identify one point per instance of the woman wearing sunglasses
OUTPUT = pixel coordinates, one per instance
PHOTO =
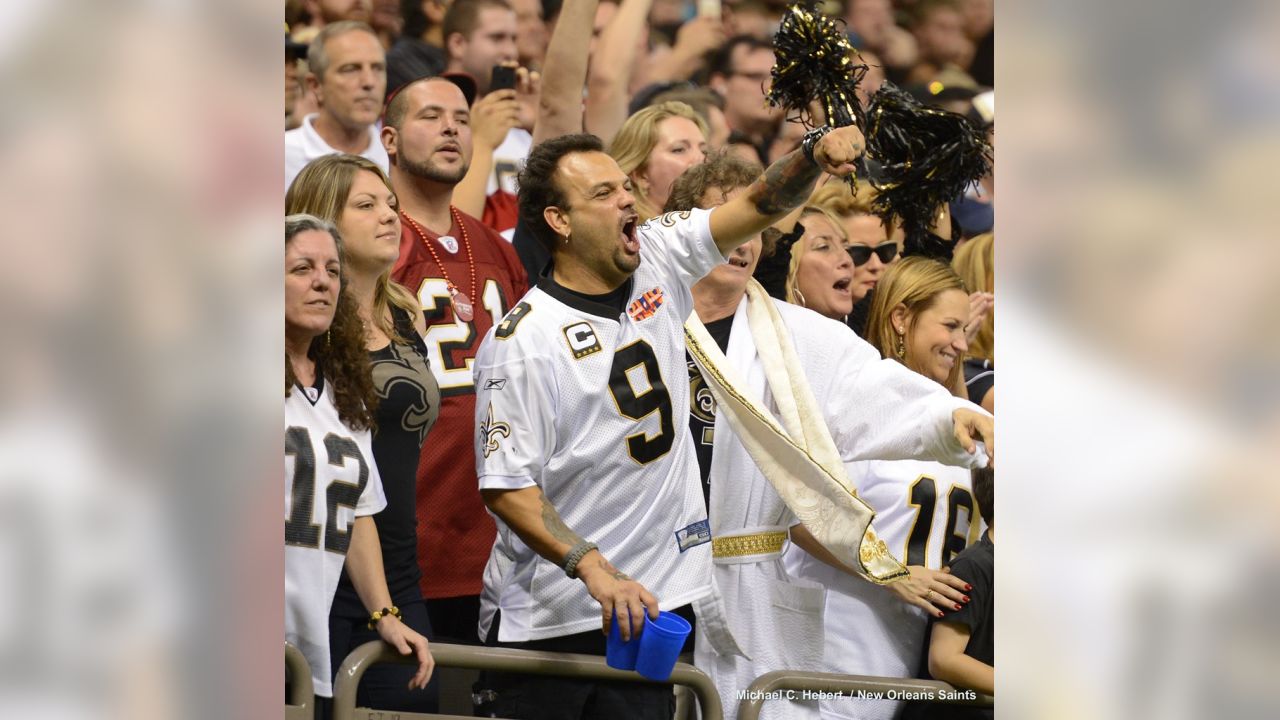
(828, 272)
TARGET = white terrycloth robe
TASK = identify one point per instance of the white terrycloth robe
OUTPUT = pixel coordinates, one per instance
(875, 409)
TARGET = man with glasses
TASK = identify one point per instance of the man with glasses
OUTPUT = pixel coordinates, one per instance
(741, 74)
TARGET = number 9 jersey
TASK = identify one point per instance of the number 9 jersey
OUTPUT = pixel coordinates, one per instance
(579, 398)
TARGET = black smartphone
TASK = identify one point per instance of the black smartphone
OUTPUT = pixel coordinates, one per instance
(504, 78)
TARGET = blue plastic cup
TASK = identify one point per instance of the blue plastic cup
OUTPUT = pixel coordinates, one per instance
(618, 654)
(660, 645)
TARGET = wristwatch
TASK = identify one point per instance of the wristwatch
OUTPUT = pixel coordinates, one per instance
(811, 138)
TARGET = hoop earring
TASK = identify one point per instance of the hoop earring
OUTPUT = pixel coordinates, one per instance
(800, 297)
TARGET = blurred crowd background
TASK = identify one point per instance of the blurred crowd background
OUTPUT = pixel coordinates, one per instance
(1138, 284)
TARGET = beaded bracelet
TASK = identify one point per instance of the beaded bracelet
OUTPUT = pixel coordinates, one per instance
(384, 612)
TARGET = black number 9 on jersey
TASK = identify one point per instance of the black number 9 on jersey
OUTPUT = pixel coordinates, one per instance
(637, 406)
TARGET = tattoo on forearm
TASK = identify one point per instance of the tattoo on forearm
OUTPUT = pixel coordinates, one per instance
(784, 185)
(614, 572)
(554, 525)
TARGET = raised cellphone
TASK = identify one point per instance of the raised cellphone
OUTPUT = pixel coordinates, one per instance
(504, 77)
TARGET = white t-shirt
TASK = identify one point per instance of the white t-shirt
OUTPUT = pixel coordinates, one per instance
(330, 478)
(588, 404)
(508, 161)
(303, 144)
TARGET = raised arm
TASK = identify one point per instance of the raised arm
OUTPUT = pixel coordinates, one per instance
(491, 118)
(610, 73)
(532, 517)
(564, 73)
(784, 186)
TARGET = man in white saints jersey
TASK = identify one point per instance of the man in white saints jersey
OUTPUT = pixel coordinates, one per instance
(578, 450)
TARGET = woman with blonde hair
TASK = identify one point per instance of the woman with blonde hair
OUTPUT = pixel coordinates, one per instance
(829, 274)
(355, 195)
(855, 210)
(974, 261)
(654, 147)
(925, 510)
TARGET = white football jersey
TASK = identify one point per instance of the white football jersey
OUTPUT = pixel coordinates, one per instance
(330, 477)
(588, 404)
(927, 514)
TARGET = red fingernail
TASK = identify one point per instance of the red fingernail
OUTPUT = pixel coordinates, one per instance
(966, 598)
(958, 607)
(940, 614)
(968, 588)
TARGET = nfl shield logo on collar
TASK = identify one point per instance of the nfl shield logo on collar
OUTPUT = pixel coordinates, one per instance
(450, 243)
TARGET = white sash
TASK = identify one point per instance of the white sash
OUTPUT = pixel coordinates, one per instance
(797, 456)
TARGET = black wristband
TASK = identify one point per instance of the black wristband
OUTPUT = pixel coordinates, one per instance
(811, 139)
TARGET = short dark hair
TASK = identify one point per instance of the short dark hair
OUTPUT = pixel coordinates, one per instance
(393, 114)
(722, 61)
(984, 491)
(538, 189)
(463, 16)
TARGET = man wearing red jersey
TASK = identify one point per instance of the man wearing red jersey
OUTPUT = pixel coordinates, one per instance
(466, 277)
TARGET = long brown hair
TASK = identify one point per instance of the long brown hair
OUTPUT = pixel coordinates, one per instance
(915, 283)
(321, 189)
(339, 353)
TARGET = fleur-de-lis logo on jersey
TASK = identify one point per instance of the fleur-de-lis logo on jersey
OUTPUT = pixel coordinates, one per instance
(491, 431)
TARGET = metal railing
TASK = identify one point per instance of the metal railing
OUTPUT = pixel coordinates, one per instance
(531, 662)
(792, 685)
(300, 704)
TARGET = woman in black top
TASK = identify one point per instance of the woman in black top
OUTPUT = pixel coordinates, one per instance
(354, 194)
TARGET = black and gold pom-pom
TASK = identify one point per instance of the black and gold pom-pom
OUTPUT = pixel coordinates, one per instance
(924, 156)
(816, 62)
(927, 157)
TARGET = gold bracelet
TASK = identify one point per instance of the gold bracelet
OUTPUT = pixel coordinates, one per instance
(384, 612)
